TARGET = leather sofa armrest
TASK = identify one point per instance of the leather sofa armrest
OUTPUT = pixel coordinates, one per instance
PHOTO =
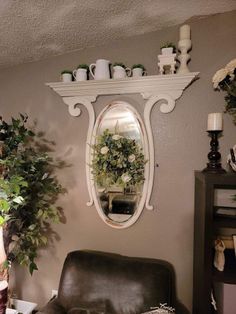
(53, 307)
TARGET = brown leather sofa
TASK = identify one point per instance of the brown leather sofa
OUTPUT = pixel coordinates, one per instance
(97, 282)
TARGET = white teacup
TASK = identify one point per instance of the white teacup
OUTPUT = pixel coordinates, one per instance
(80, 74)
(136, 72)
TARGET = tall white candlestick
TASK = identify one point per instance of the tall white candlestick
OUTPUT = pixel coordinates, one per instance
(184, 32)
(215, 121)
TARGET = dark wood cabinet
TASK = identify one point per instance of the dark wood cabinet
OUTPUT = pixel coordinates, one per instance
(206, 225)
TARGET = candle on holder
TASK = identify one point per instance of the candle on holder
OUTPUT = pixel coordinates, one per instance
(215, 122)
(184, 32)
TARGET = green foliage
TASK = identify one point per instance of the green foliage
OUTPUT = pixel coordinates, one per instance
(228, 84)
(230, 100)
(119, 64)
(169, 45)
(28, 191)
(117, 161)
(83, 66)
(138, 66)
(66, 72)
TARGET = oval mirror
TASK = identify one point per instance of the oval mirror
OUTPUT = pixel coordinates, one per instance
(119, 157)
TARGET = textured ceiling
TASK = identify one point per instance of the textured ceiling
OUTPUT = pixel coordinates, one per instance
(37, 29)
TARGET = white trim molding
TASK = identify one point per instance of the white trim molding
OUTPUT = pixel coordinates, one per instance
(162, 89)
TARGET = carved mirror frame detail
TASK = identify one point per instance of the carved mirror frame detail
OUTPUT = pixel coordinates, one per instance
(163, 89)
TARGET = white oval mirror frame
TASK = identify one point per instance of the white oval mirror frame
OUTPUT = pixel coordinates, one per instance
(143, 137)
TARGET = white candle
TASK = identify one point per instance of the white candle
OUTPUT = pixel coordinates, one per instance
(184, 32)
(215, 121)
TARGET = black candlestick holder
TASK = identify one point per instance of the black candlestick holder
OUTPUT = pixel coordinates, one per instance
(214, 157)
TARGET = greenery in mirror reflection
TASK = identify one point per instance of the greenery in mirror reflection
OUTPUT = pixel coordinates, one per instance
(117, 160)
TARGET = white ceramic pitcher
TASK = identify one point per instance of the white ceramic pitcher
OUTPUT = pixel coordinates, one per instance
(100, 70)
(120, 72)
(80, 74)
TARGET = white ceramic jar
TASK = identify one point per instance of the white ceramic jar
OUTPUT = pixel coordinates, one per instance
(66, 77)
(137, 72)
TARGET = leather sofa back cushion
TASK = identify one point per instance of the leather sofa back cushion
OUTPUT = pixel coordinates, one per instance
(125, 285)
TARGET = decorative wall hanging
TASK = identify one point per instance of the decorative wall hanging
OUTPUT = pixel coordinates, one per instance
(120, 200)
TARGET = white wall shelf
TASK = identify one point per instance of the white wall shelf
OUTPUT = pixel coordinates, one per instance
(159, 87)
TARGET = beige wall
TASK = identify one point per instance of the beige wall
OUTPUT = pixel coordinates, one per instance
(181, 146)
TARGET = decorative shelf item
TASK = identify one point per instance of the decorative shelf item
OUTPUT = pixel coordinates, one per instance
(214, 128)
(184, 45)
(161, 89)
(167, 60)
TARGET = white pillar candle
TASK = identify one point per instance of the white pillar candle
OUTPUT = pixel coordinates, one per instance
(184, 32)
(215, 122)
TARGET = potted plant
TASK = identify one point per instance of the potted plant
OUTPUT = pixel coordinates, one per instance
(66, 76)
(120, 70)
(168, 48)
(81, 72)
(138, 70)
(28, 191)
(119, 64)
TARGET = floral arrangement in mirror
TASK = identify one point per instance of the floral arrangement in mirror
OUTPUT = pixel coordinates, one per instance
(117, 161)
(225, 80)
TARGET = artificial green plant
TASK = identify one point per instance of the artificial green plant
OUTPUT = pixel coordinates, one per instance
(28, 192)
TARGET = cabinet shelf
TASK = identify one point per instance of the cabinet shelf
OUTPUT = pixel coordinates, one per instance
(224, 222)
(208, 218)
